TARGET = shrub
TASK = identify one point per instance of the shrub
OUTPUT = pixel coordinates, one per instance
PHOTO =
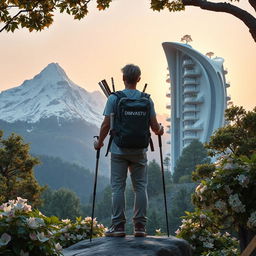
(28, 232)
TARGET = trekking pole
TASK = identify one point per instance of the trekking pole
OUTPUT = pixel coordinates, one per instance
(103, 89)
(145, 87)
(95, 186)
(162, 169)
(113, 84)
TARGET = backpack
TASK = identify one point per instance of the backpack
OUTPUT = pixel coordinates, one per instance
(132, 121)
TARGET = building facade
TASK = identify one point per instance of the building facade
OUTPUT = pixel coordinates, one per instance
(198, 96)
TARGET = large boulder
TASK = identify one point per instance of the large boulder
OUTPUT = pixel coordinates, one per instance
(129, 246)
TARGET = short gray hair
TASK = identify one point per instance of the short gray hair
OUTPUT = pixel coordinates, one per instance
(131, 73)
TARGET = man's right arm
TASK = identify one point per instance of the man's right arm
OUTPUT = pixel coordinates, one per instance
(155, 126)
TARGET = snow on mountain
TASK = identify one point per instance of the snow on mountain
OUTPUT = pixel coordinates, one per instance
(50, 93)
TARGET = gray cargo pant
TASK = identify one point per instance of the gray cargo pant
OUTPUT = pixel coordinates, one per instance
(137, 165)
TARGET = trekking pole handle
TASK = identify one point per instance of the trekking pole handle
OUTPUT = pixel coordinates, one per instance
(98, 150)
(159, 138)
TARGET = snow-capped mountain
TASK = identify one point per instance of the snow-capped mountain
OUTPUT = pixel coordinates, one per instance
(50, 94)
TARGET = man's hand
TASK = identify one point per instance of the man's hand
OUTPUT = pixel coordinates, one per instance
(98, 145)
(160, 130)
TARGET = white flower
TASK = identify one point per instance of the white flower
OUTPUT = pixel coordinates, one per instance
(33, 236)
(35, 223)
(88, 219)
(201, 238)
(207, 245)
(251, 223)
(5, 239)
(22, 253)
(79, 237)
(243, 180)
(177, 231)
(58, 247)
(202, 216)
(220, 205)
(67, 221)
(41, 237)
(236, 204)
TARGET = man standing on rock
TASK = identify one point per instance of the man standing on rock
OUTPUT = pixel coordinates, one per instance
(134, 114)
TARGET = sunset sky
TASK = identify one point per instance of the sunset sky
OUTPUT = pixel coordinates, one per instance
(98, 46)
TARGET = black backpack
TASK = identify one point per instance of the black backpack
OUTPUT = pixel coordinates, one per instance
(132, 121)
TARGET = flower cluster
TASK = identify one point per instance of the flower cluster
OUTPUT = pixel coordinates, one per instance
(72, 232)
(27, 232)
(199, 230)
(225, 190)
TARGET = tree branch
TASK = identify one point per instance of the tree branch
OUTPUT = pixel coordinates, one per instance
(253, 4)
(246, 17)
(10, 21)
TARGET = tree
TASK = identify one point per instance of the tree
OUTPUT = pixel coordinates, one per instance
(155, 186)
(37, 15)
(16, 171)
(209, 54)
(238, 136)
(186, 38)
(227, 187)
(192, 155)
(177, 5)
(62, 203)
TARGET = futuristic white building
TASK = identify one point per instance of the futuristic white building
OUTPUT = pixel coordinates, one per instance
(198, 96)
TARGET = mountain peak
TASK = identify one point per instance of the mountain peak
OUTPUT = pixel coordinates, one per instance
(50, 93)
(53, 71)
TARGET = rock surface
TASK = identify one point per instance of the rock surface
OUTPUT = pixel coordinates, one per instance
(130, 246)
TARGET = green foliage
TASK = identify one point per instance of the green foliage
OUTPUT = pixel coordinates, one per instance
(181, 203)
(199, 229)
(28, 232)
(16, 171)
(172, 6)
(37, 15)
(226, 193)
(238, 136)
(193, 155)
(73, 177)
(155, 184)
(62, 203)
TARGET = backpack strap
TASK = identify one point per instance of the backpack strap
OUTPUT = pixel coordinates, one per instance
(119, 95)
(144, 95)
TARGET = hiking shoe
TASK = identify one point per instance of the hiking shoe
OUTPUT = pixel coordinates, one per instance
(139, 230)
(116, 231)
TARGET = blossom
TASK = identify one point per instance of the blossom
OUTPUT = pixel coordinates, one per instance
(58, 247)
(220, 205)
(177, 231)
(236, 204)
(41, 237)
(251, 223)
(66, 221)
(35, 223)
(5, 239)
(208, 245)
(33, 236)
(243, 180)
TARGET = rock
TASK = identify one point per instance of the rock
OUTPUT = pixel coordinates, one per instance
(130, 246)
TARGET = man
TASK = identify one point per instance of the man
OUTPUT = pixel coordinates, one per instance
(134, 159)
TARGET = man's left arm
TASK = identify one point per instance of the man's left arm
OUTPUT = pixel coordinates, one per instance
(105, 126)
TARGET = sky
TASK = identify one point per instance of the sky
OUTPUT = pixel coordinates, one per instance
(98, 46)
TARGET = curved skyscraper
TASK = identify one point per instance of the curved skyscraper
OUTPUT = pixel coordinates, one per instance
(198, 96)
